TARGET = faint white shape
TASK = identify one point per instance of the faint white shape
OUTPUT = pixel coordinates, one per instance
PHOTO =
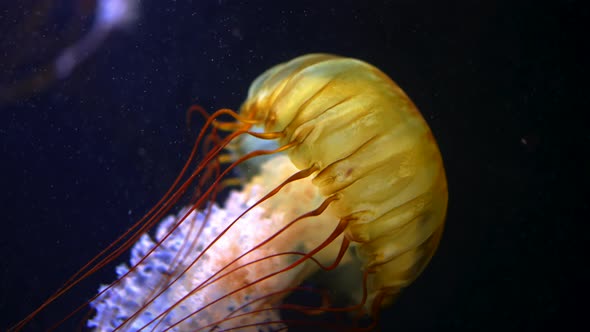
(115, 13)
(110, 15)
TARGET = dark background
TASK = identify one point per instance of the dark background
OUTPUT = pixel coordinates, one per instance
(84, 157)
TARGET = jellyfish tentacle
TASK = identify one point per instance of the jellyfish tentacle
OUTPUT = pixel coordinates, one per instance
(253, 154)
(335, 234)
(297, 176)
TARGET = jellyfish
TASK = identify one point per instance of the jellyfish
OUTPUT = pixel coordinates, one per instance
(26, 70)
(339, 177)
(110, 15)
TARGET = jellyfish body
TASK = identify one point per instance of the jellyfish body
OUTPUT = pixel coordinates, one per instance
(372, 149)
(367, 148)
(340, 171)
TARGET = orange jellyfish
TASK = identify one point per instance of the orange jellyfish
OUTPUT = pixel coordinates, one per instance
(342, 179)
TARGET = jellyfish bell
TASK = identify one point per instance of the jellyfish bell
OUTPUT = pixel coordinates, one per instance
(339, 172)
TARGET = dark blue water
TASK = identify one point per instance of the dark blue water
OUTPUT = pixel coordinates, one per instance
(85, 156)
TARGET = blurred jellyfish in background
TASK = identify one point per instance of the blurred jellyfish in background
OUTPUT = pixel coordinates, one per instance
(46, 40)
(109, 15)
